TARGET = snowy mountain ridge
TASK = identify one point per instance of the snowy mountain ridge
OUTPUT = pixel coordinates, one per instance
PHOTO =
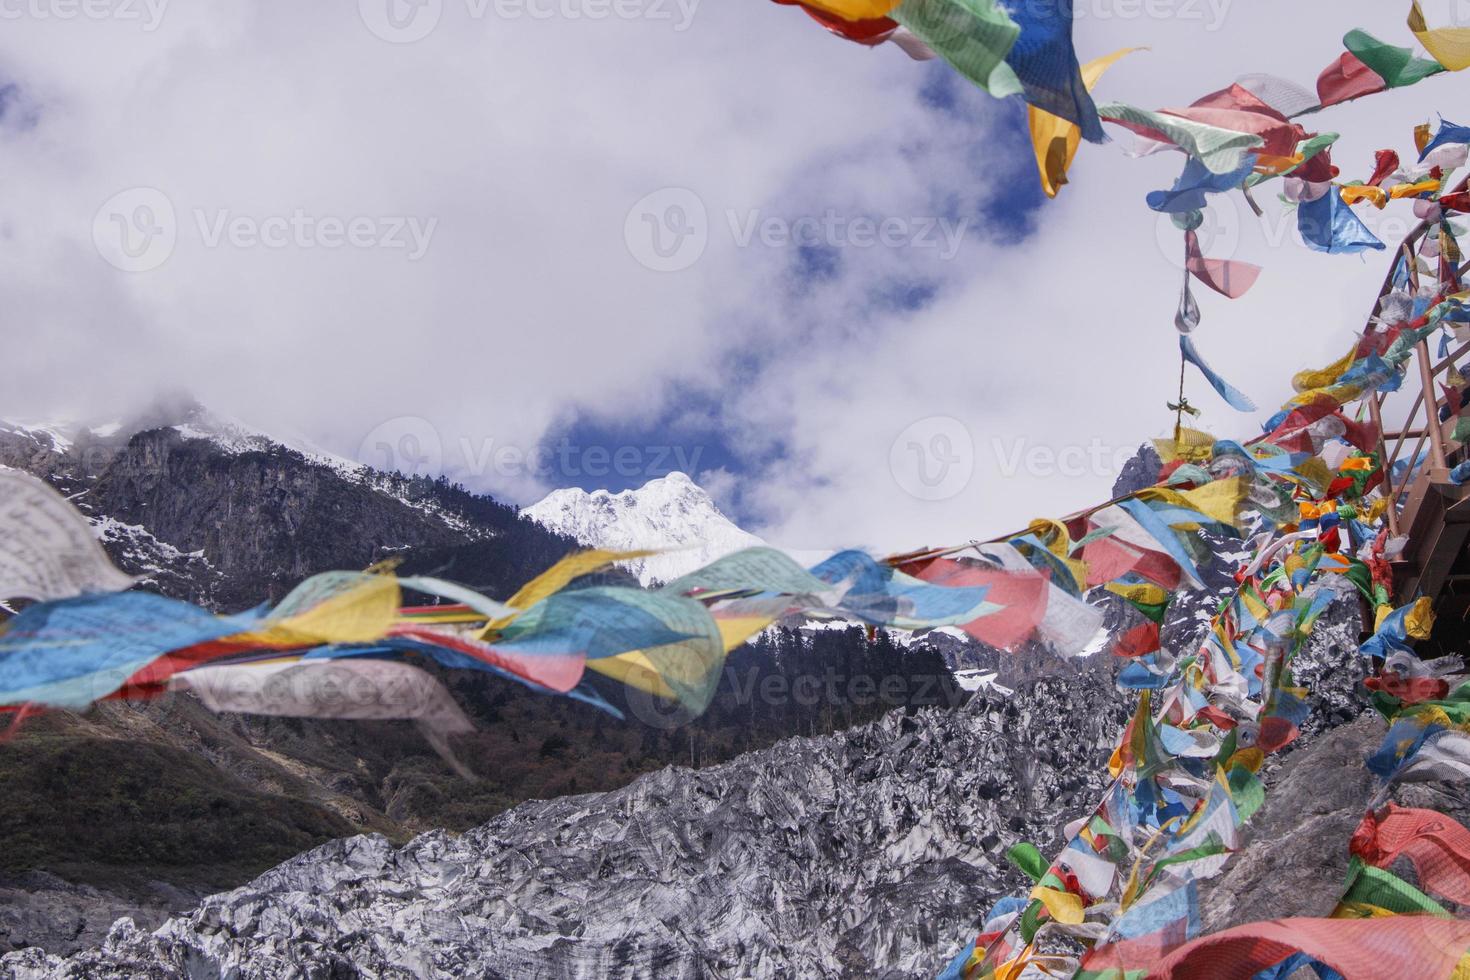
(672, 514)
(95, 443)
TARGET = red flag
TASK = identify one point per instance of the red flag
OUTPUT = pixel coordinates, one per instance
(1455, 202)
(1140, 640)
(1347, 78)
(1385, 163)
(1392, 946)
(1022, 596)
(1410, 690)
(1280, 134)
(1109, 559)
(870, 32)
(1224, 276)
(1437, 846)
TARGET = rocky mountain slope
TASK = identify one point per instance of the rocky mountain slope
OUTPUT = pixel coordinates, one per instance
(209, 510)
(870, 852)
(863, 853)
(671, 513)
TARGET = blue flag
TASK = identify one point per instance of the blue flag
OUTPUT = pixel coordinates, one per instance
(1229, 392)
(1329, 225)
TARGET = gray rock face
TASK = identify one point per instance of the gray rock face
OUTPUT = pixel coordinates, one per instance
(1139, 472)
(36, 905)
(1296, 855)
(867, 853)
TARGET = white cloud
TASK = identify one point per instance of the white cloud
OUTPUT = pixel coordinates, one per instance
(529, 140)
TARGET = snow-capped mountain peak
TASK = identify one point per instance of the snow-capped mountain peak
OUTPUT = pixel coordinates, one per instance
(671, 513)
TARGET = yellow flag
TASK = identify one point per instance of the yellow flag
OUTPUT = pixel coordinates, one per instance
(1065, 907)
(557, 576)
(1421, 136)
(1253, 605)
(1353, 193)
(1252, 758)
(1267, 163)
(735, 630)
(635, 670)
(1015, 967)
(1309, 380)
(1144, 592)
(856, 9)
(1218, 499)
(1055, 139)
(1419, 621)
(1192, 446)
(1364, 910)
(1054, 534)
(361, 611)
(1399, 191)
(1450, 46)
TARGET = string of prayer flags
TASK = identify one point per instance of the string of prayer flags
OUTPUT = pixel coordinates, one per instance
(75, 650)
(72, 652)
(1184, 770)
(1370, 66)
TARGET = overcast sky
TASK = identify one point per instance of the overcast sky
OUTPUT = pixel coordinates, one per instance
(645, 235)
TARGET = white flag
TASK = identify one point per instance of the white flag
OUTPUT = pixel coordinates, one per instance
(47, 549)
